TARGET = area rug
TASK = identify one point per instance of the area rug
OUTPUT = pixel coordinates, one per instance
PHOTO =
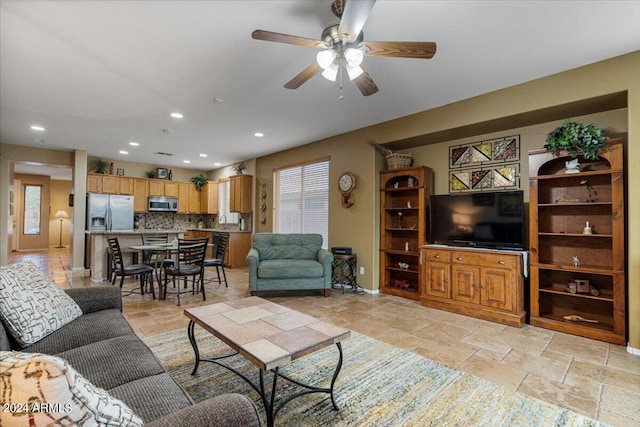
(379, 385)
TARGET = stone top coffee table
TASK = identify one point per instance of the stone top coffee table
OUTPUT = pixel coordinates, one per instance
(270, 336)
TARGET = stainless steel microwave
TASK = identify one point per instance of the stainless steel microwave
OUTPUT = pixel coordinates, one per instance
(162, 204)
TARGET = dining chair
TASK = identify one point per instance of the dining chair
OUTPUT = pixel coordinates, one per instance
(190, 264)
(151, 257)
(118, 268)
(192, 241)
(220, 243)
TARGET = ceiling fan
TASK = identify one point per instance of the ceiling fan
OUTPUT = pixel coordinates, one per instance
(343, 47)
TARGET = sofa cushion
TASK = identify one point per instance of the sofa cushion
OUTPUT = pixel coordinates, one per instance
(289, 269)
(113, 362)
(287, 246)
(87, 329)
(56, 394)
(31, 305)
(153, 397)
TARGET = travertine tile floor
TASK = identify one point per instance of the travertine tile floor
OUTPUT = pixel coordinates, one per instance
(590, 377)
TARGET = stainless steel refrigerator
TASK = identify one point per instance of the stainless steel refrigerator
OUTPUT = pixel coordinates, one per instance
(107, 212)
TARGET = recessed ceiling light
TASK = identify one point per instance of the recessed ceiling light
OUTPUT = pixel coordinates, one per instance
(258, 134)
(133, 143)
(218, 100)
(40, 140)
(203, 155)
(177, 115)
(124, 152)
(37, 128)
(217, 164)
(187, 161)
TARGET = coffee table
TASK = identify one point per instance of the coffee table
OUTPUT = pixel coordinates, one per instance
(270, 336)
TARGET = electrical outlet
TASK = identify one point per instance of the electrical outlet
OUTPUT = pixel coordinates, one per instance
(362, 271)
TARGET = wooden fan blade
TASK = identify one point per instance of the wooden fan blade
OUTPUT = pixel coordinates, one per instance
(365, 84)
(423, 50)
(270, 36)
(353, 18)
(305, 75)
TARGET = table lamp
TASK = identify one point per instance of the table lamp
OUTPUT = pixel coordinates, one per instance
(62, 214)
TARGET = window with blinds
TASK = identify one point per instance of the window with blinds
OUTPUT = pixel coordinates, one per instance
(302, 199)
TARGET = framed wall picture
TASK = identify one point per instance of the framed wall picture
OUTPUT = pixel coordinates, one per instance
(162, 173)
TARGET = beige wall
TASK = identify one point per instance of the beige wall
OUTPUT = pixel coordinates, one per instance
(358, 226)
(59, 199)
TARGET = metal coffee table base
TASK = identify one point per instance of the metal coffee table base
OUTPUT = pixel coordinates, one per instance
(268, 400)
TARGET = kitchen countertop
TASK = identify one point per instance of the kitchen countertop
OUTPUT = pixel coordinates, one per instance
(216, 229)
(134, 232)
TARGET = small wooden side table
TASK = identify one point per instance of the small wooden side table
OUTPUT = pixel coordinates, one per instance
(344, 270)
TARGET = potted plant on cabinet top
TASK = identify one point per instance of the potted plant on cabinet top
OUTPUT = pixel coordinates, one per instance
(98, 165)
(199, 181)
(239, 168)
(577, 139)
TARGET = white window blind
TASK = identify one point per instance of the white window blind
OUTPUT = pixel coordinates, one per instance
(224, 194)
(302, 204)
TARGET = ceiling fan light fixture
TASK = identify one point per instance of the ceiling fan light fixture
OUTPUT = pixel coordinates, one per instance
(354, 72)
(353, 57)
(325, 58)
(331, 72)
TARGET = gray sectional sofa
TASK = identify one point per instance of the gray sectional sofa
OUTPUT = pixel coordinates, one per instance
(287, 262)
(103, 348)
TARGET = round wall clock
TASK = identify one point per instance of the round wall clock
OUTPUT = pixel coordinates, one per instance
(347, 183)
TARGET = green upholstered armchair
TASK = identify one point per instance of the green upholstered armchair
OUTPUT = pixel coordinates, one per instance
(281, 262)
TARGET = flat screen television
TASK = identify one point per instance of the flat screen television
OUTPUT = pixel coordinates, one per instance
(487, 219)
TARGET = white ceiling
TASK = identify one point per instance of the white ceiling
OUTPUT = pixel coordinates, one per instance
(98, 74)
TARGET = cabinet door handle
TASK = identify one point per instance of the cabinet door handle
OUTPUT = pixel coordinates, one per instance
(474, 286)
(459, 258)
(481, 287)
(501, 262)
(437, 257)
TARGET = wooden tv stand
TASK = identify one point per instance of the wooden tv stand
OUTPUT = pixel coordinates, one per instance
(483, 283)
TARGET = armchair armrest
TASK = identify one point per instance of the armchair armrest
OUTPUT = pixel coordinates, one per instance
(325, 257)
(227, 410)
(96, 298)
(253, 259)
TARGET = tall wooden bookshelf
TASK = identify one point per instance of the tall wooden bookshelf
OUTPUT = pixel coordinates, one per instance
(563, 252)
(404, 227)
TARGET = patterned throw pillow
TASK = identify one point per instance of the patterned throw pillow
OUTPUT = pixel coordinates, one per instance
(31, 305)
(44, 390)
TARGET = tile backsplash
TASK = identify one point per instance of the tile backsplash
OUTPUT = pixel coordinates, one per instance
(153, 220)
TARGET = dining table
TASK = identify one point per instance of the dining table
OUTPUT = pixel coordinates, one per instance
(162, 252)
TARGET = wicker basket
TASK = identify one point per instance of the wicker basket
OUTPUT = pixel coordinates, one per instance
(399, 161)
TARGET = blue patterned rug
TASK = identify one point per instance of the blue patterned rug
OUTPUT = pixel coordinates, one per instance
(379, 385)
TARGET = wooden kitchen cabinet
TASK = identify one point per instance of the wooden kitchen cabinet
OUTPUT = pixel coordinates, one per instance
(140, 194)
(156, 187)
(209, 198)
(100, 183)
(126, 185)
(171, 188)
(488, 284)
(94, 183)
(239, 245)
(183, 196)
(241, 187)
(194, 199)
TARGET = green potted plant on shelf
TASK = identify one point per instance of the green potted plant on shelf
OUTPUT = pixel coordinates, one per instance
(577, 139)
(199, 181)
(98, 165)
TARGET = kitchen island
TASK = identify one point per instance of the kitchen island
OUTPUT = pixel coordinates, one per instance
(98, 248)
